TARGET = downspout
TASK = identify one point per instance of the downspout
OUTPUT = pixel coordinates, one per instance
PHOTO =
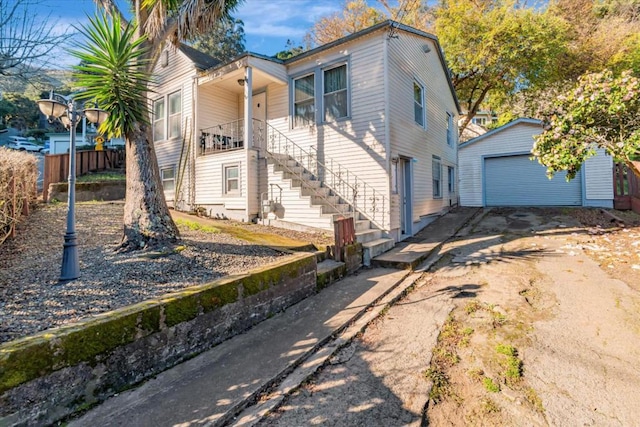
(247, 137)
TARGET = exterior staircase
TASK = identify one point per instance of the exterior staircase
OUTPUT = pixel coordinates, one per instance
(297, 196)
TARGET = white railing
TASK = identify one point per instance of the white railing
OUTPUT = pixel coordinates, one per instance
(362, 197)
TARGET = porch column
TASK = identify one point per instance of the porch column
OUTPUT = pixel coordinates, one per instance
(248, 108)
(251, 169)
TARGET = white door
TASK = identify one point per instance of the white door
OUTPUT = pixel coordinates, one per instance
(260, 115)
(405, 190)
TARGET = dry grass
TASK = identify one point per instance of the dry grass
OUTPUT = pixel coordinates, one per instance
(18, 174)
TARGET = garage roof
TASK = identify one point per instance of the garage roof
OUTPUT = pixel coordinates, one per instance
(500, 129)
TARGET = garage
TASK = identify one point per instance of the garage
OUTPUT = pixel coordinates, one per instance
(518, 181)
(495, 170)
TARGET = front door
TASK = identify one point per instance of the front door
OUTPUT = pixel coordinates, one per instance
(260, 115)
(405, 190)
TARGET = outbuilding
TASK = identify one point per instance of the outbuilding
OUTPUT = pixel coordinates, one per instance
(496, 169)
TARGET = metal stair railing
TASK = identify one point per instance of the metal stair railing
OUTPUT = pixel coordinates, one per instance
(362, 197)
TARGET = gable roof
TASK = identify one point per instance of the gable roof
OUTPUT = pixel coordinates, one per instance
(206, 62)
(201, 60)
(392, 26)
(501, 129)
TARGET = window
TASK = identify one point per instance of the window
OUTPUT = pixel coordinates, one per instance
(437, 177)
(418, 103)
(231, 179)
(304, 101)
(175, 110)
(168, 176)
(172, 117)
(335, 93)
(158, 120)
(452, 179)
(450, 130)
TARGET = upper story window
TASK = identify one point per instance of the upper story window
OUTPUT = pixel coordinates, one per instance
(175, 114)
(450, 130)
(167, 123)
(418, 103)
(335, 93)
(321, 96)
(304, 107)
(158, 120)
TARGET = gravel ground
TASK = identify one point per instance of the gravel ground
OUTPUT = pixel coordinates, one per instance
(32, 300)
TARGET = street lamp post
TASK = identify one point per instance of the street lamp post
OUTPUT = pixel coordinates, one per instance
(68, 114)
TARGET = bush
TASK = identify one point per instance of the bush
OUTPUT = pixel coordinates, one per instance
(18, 175)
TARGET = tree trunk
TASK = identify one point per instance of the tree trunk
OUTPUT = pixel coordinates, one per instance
(147, 221)
(634, 166)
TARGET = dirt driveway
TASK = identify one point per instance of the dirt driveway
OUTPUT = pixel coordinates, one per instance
(522, 322)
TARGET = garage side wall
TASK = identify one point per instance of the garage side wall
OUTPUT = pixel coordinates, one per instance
(517, 139)
(599, 181)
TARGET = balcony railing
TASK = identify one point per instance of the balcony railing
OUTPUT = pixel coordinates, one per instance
(223, 137)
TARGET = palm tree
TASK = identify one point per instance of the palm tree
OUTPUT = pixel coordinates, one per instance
(117, 63)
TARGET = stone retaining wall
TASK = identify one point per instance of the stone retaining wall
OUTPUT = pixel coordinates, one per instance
(50, 375)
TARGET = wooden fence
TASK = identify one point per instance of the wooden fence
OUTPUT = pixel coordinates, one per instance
(56, 166)
(626, 188)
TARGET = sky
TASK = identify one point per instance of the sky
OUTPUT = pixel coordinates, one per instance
(268, 24)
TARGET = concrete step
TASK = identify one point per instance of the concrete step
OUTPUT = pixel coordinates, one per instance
(329, 271)
(323, 199)
(375, 248)
(319, 191)
(339, 208)
(362, 225)
(366, 236)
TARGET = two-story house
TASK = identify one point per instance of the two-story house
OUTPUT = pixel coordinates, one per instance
(364, 126)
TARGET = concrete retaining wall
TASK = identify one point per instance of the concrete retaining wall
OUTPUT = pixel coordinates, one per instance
(48, 376)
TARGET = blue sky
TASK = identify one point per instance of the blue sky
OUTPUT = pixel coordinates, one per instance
(267, 23)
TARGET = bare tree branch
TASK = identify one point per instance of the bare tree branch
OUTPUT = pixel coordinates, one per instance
(25, 40)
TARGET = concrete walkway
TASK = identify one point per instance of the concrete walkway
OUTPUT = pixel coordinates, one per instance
(279, 353)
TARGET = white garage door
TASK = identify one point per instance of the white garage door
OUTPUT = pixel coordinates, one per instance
(518, 181)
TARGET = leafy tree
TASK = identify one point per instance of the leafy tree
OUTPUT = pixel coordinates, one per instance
(356, 15)
(602, 111)
(19, 111)
(225, 41)
(25, 40)
(495, 48)
(290, 51)
(119, 57)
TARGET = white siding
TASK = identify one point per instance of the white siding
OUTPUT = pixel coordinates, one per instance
(216, 106)
(178, 75)
(210, 179)
(355, 144)
(409, 62)
(517, 139)
(599, 180)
